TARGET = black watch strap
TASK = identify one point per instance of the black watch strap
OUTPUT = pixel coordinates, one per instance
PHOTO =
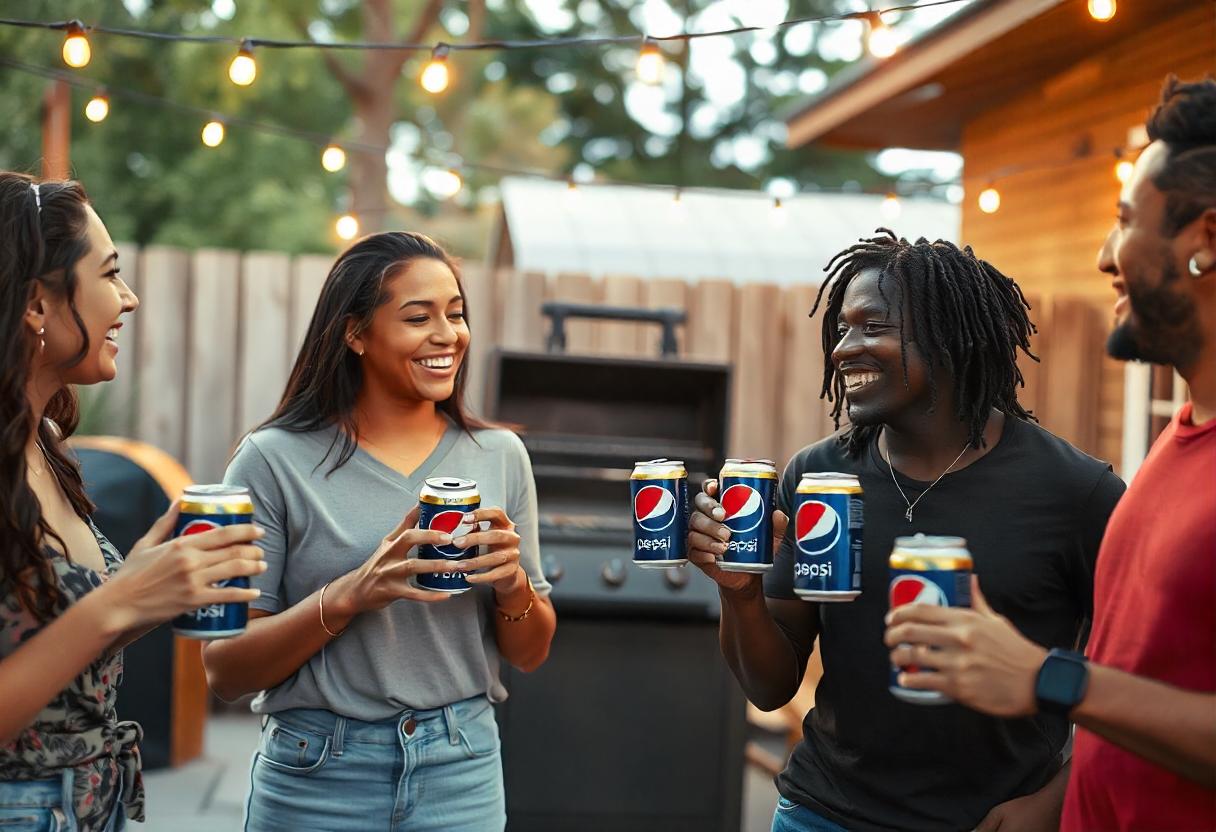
(1062, 681)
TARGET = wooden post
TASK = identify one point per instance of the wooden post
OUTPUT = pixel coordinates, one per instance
(57, 131)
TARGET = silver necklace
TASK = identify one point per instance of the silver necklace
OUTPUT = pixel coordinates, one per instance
(911, 504)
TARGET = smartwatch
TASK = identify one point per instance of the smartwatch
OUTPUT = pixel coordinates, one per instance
(1062, 680)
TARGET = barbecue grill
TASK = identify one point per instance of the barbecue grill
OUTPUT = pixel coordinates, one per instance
(634, 723)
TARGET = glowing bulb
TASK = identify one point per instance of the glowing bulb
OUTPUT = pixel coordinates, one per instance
(333, 159)
(435, 75)
(97, 109)
(1123, 170)
(442, 183)
(650, 63)
(1102, 10)
(990, 200)
(243, 68)
(891, 207)
(347, 226)
(76, 50)
(882, 41)
(213, 133)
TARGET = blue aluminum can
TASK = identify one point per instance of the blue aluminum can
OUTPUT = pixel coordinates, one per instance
(203, 508)
(828, 521)
(928, 570)
(443, 504)
(745, 491)
(660, 513)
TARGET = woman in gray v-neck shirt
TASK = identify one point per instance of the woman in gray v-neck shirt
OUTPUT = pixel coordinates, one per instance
(377, 693)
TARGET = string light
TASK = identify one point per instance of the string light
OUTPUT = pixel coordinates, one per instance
(1102, 10)
(443, 183)
(76, 50)
(891, 207)
(990, 200)
(243, 69)
(347, 226)
(651, 63)
(1123, 170)
(882, 40)
(98, 108)
(333, 158)
(213, 133)
(435, 75)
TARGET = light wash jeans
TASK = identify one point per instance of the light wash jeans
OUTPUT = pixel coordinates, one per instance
(423, 771)
(47, 806)
(794, 817)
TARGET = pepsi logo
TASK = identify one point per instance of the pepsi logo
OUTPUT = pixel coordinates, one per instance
(453, 523)
(913, 589)
(816, 527)
(654, 508)
(744, 508)
(197, 527)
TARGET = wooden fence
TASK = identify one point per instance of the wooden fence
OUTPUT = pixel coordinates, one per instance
(208, 354)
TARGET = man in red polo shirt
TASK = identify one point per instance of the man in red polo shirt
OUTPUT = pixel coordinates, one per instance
(1144, 701)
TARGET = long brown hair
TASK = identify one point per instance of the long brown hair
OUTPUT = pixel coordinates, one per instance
(42, 245)
(327, 376)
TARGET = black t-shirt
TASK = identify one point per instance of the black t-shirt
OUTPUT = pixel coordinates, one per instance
(1033, 511)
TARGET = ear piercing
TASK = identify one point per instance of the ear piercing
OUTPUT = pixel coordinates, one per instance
(1193, 266)
(42, 341)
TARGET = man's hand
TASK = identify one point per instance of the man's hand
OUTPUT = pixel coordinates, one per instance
(1037, 812)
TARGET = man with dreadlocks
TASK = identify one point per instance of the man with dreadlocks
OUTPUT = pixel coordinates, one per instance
(921, 340)
(1145, 700)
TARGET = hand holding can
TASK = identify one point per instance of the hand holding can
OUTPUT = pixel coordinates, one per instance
(709, 538)
(447, 505)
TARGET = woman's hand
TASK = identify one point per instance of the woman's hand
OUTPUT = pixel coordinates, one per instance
(501, 559)
(385, 576)
(163, 578)
(707, 537)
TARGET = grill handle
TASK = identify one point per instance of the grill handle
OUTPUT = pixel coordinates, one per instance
(559, 311)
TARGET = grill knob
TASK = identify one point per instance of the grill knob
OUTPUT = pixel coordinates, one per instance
(553, 569)
(676, 578)
(613, 573)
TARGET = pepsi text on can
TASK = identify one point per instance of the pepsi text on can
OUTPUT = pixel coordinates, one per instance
(660, 513)
(204, 508)
(746, 488)
(928, 570)
(444, 505)
(829, 516)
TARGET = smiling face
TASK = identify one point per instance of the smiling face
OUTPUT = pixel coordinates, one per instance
(101, 298)
(868, 354)
(417, 338)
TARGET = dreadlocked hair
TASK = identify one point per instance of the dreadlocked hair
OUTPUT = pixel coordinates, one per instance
(965, 317)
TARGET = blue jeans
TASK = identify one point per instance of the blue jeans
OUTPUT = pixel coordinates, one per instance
(794, 817)
(423, 771)
(47, 806)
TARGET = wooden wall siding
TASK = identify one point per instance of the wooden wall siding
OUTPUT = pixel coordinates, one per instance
(160, 379)
(211, 396)
(263, 362)
(118, 398)
(1052, 222)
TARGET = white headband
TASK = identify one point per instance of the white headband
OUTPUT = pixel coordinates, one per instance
(37, 197)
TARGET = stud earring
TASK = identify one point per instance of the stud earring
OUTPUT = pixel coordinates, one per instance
(1193, 266)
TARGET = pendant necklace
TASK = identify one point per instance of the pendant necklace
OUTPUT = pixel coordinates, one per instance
(911, 504)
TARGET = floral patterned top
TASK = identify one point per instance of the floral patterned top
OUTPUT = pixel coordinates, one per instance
(79, 728)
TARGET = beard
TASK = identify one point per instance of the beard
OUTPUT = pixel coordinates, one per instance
(1162, 327)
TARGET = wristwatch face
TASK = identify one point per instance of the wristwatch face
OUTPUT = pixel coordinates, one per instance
(1061, 681)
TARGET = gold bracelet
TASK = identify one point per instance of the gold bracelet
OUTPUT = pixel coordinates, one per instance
(525, 613)
(321, 611)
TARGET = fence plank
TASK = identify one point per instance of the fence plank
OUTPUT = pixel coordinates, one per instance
(711, 320)
(577, 288)
(621, 338)
(475, 282)
(211, 394)
(523, 326)
(308, 274)
(664, 292)
(757, 372)
(161, 379)
(1073, 382)
(804, 418)
(111, 408)
(264, 339)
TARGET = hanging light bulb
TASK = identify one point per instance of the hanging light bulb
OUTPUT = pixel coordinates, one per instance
(990, 200)
(650, 63)
(1102, 10)
(891, 207)
(1123, 170)
(213, 133)
(881, 40)
(442, 182)
(243, 68)
(333, 158)
(347, 226)
(435, 75)
(76, 50)
(98, 108)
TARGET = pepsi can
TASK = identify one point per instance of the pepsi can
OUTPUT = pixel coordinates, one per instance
(444, 504)
(203, 508)
(828, 520)
(928, 570)
(660, 513)
(746, 489)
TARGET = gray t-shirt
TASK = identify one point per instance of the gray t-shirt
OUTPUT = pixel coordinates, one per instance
(318, 527)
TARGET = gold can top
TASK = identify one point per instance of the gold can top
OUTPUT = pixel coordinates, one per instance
(449, 491)
(828, 482)
(764, 469)
(216, 499)
(922, 553)
(659, 469)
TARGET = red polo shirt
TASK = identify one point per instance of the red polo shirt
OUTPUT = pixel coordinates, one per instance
(1154, 616)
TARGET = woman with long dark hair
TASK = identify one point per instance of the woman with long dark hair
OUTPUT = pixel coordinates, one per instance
(68, 601)
(377, 694)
